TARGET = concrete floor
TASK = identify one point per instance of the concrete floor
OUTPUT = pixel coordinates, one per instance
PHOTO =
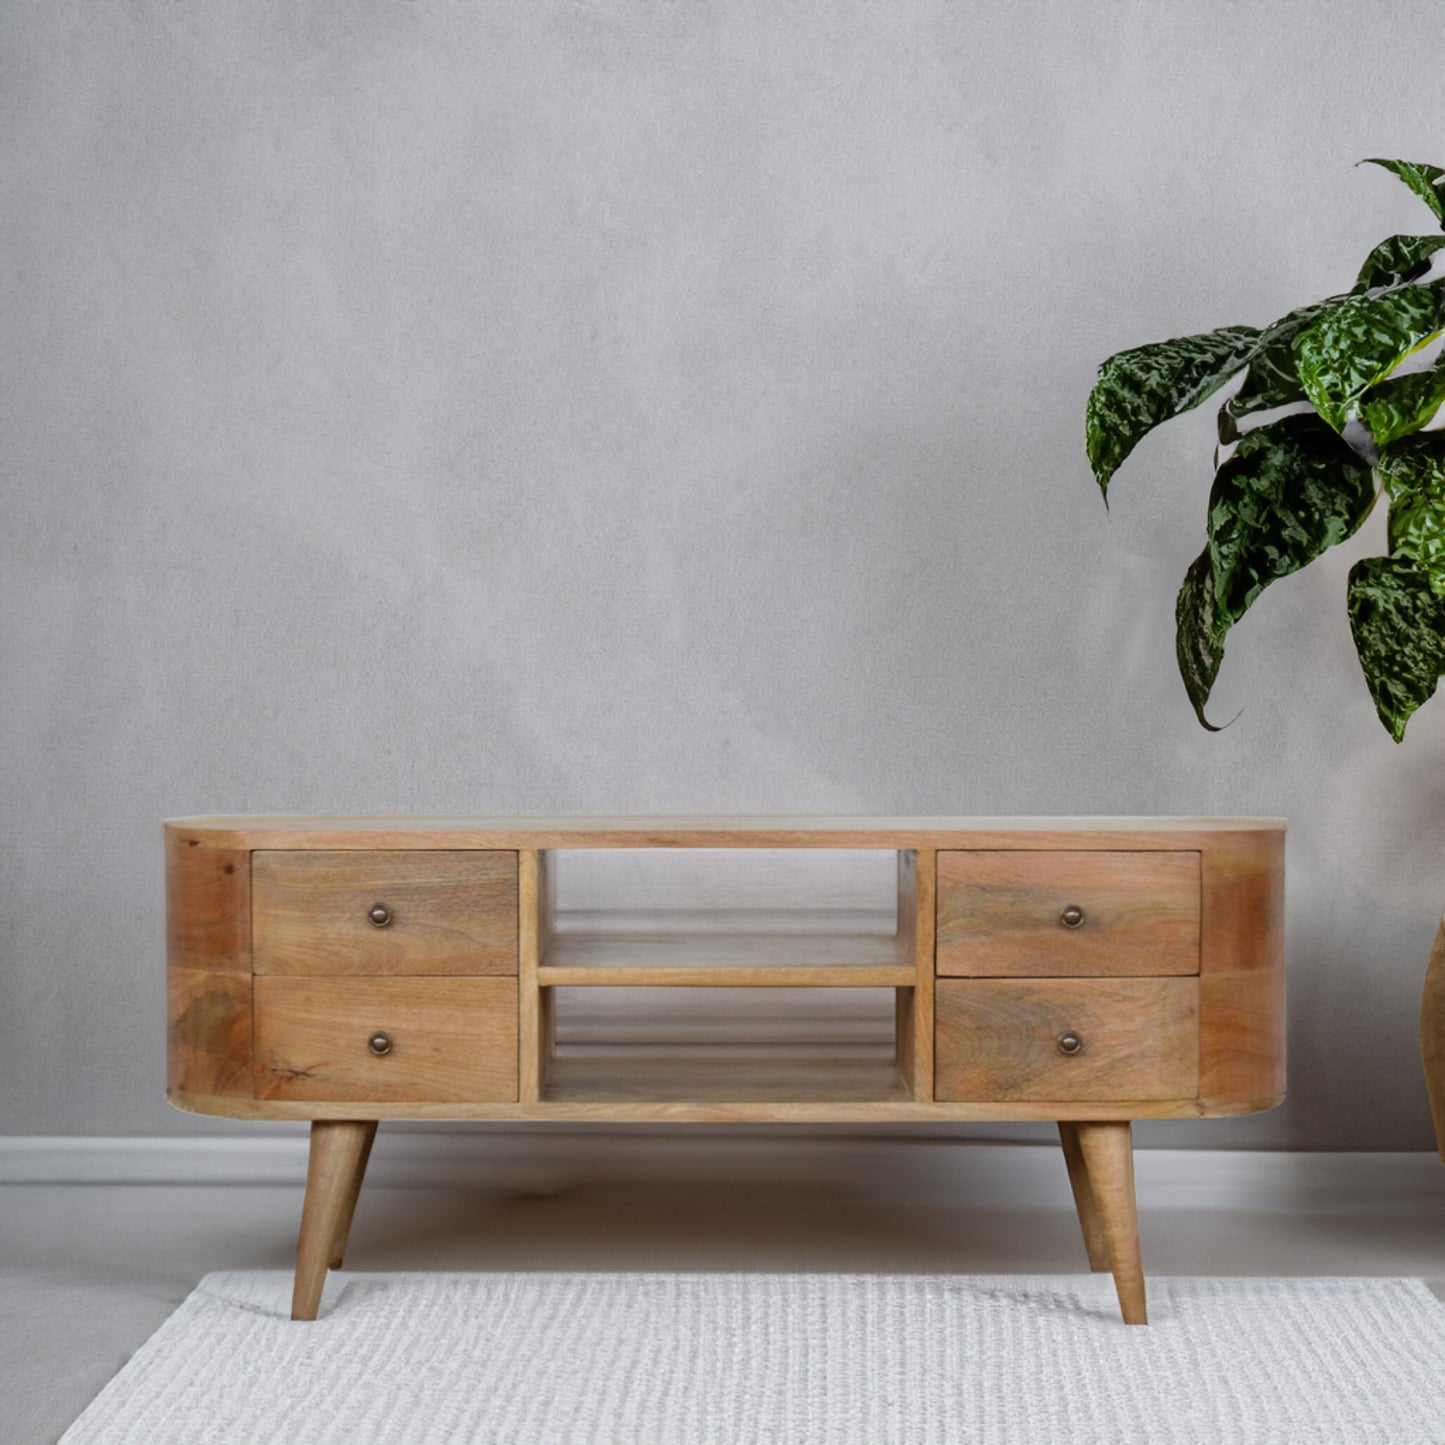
(88, 1271)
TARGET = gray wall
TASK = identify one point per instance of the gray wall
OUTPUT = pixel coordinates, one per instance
(607, 406)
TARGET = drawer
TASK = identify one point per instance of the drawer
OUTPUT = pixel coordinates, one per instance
(1046, 914)
(439, 911)
(1007, 1039)
(447, 1040)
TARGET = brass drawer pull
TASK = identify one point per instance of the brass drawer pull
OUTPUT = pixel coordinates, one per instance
(379, 915)
(379, 1043)
(1072, 916)
(1070, 1042)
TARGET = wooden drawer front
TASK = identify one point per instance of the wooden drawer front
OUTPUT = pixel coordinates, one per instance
(451, 1040)
(449, 911)
(999, 1039)
(1001, 915)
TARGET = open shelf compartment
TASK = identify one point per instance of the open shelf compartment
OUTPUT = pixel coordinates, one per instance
(726, 976)
(745, 1045)
(726, 918)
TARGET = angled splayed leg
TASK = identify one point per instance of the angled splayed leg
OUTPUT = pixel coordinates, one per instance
(1089, 1220)
(1108, 1154)
(343, 1229)
(338, 1148)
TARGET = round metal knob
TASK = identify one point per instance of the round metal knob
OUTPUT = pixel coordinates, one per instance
(1072, 916)
(379, 915)
(1070, 1042)
(379, 1044)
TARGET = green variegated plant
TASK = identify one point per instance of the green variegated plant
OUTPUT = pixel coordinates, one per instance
(1330, 411)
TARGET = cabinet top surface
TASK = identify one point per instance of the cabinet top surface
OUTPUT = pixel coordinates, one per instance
(768, 830)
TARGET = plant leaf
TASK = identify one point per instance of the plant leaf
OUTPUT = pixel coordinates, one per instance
(1425, 181)
(1417, 531)
(1396, 261)
(1273, 376)
(1198, 643)
(1398, 623)
(1290, 491)
(1399, 405)
(1138, 389)
(1360, 341)
(1413, 472)
(1272, 379)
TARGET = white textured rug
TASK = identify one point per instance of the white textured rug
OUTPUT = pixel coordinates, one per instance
(717, 1359)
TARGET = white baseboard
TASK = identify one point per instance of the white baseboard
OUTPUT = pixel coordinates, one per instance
(925, 1170)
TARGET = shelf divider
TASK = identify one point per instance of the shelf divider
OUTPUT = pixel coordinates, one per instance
(769, 976)
(728, 960)
(622, 1076)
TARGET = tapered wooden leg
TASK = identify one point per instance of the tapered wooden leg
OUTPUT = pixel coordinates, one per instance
(1089, 1220)
(336, 1150)
(343, 1228)
(1109, 1158)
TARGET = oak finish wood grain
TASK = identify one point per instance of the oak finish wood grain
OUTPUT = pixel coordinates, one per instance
(1432, 1035)
(208, 906)
(544, 916)
(208, 1044)
(1000, 913)
(1241, 975)
(1109, 1158)
(580, 1111)
(1000, 1038)
(916, 928)
(451, 911)
(336, 1153)
(337, 1255)
(743, 956)
(1241, 1018)
(208, 967)
(905, 1036)
(530, 884)
(747, 1078)
(453, 1040)
(1095, 1245)
(282, 1033)
(726, 831)
(1241, 1004)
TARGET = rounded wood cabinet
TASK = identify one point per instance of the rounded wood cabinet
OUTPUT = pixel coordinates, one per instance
(1087, 971)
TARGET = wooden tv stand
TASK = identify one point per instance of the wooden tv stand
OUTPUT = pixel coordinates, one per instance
(1088, 971)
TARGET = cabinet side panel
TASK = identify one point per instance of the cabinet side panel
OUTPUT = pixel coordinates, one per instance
(529, 943)
(208, 1035)
(1432, 1035)
(208, 968)
(1241, 976)
(208, 907)
(923, 903)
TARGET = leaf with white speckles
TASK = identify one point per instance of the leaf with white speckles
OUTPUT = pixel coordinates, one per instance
(1272, 379)
(1359, 342)
(1198, 641)
(1399, 405)
(1428, 182)
(1413, 472)
(1398, 623)
(1138, 389)
(1290, 491)
(1399, 260)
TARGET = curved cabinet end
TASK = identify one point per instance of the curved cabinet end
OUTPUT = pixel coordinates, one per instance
(208, 969)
